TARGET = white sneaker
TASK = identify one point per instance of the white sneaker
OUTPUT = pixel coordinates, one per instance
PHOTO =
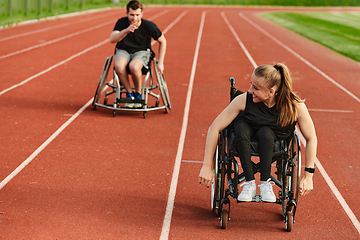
(137, 105)
(129, 105)
(248, 192)
(266, 191)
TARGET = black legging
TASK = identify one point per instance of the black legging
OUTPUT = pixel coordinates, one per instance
(265, 137)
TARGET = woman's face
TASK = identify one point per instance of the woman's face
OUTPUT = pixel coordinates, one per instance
(259, 92)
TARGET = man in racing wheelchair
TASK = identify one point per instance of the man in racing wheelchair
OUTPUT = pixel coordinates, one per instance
(132, 36)
(270, 109)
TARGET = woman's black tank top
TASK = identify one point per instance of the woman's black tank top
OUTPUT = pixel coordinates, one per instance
(258, 115)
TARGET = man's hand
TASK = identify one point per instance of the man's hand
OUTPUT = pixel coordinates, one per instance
(132, 27)
(160, 66)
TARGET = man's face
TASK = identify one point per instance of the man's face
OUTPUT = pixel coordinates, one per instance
(135, 16)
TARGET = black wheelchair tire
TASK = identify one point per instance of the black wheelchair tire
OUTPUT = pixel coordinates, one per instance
(163, 88)
(291, 178)
(102, 81)
(289, 221)
(224, 218)
(217, 188)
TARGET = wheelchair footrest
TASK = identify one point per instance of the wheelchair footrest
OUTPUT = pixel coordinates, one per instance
(257, 198)
(128, 100)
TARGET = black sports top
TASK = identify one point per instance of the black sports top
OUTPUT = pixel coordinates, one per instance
(258, 115)
(140, 39)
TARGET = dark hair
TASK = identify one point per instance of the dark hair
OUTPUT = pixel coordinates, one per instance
(134, 5)
(278, 76)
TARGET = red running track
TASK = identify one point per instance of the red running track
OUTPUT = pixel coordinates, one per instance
(69, 172)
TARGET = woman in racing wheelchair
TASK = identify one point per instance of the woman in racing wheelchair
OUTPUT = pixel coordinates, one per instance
(270, 109)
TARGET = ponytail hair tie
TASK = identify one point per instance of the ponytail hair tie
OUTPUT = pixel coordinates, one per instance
(276, 67)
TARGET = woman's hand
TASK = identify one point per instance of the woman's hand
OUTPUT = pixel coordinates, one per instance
(206, 176)
(306, 184)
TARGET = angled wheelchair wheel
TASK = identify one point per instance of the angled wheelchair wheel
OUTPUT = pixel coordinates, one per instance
(102, 81)
(217, 188)
(291, 180)
(163, 88)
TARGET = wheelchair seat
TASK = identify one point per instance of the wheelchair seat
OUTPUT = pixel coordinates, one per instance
(280, 146)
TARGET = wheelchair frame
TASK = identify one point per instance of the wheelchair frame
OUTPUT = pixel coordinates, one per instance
(227, 177)
(147, 90)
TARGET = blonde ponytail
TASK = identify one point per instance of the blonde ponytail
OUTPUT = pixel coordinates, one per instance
(286, 99)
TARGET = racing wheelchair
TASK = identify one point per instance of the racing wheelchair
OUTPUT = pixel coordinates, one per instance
(154, 86)
(287, 157)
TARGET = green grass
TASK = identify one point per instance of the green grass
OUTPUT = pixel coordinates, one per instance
(19, 16)
(339, 31)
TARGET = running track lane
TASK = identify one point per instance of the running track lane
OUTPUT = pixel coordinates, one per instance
(190, 198)
(257, 46)
(137, 162)
(51, 101)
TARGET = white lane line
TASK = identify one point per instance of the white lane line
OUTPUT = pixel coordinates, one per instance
(171, 25)
(66, 15)
(55, 40)
(54, 66)
(44, 145)
(327, 178)
(67, 123)
(158, 14)
(301, 58)
(53, 27)
(174, 22)
(66, 37)
(170, 203)
(334, 189)
(238, 40)
(191, 161)
(331, 110)
(66, 60)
